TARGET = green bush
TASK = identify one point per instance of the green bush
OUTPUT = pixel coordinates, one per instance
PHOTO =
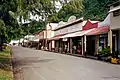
(105, 52)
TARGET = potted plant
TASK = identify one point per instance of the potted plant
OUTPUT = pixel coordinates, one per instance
(104, 54)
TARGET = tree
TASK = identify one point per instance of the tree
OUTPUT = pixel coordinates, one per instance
(11, 10)
(96, 9)
(69, 8)
(89, 9)
(2, 33)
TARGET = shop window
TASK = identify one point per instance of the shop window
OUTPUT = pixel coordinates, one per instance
(101, 43)
(116, 13)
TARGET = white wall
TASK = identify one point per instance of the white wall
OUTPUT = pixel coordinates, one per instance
(44, 34)
(50, 34)
(115, 21)
(69, 29)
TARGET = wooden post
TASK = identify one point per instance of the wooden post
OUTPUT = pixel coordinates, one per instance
(110, 40)
(82, 46)
(97, 44)
(68, 48)
(71, 45)
(115, 42)
(85, 42)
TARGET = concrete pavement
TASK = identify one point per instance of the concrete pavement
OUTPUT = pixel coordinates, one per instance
(32, 64)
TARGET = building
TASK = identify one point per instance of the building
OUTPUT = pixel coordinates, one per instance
(42, 37)
(114, 33)
(64, 44)
(50, 27)
(78, 36)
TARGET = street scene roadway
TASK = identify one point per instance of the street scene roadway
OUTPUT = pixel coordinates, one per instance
(31, 64)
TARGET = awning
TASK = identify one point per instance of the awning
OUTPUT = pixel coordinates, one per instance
(97, 31)
(80, 33)
(114, 9)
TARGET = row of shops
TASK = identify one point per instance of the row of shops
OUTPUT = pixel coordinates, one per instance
(79, 36)
(84, 40)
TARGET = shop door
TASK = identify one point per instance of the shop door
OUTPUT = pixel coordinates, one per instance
(115, 41)
(91, 46)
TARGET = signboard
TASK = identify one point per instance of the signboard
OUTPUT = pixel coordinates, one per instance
(69, 29)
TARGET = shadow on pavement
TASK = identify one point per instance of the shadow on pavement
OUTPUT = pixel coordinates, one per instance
(19, 63)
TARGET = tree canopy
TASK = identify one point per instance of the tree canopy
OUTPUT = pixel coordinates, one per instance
(13, 10)
(89, 9)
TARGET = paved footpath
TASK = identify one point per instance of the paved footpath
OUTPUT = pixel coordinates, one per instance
(30, 64)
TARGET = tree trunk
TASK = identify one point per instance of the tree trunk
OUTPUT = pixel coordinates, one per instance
(1, 42)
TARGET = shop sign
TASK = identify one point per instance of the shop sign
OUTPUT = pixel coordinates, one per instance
(69, 29)
(65, 39)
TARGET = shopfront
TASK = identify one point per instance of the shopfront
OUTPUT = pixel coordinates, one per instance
(116, 40)
(77, 45)
(65, 43)
(97, 40)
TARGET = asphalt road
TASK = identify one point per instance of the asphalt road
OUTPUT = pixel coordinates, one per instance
(30, 64)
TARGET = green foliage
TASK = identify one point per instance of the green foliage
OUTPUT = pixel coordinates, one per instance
(105, 51)
(13, 9)
(96, 9)
(89, 9)
(74, 7)
(2, 27)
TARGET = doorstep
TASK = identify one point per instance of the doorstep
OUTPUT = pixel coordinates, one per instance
(91, 57)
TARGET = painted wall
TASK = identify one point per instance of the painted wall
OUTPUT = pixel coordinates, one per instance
(69, 29)
(44, 34)
(115, 21)
(50, 34)
(41, 35)
(90, 25)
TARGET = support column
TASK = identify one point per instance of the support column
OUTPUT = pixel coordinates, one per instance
(82, 46)
(71, 45)
(115, 42)
(68, 47)
(97, 44)
(110, 40)
(85, 43)
(119, 41)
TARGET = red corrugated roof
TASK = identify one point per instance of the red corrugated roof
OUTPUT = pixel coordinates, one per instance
(97, 31)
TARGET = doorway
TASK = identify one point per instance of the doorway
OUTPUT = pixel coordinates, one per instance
(90, 45)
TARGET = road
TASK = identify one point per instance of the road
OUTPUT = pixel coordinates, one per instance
(30, 64)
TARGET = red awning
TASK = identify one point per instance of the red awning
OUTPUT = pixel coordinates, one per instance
(97, 31)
